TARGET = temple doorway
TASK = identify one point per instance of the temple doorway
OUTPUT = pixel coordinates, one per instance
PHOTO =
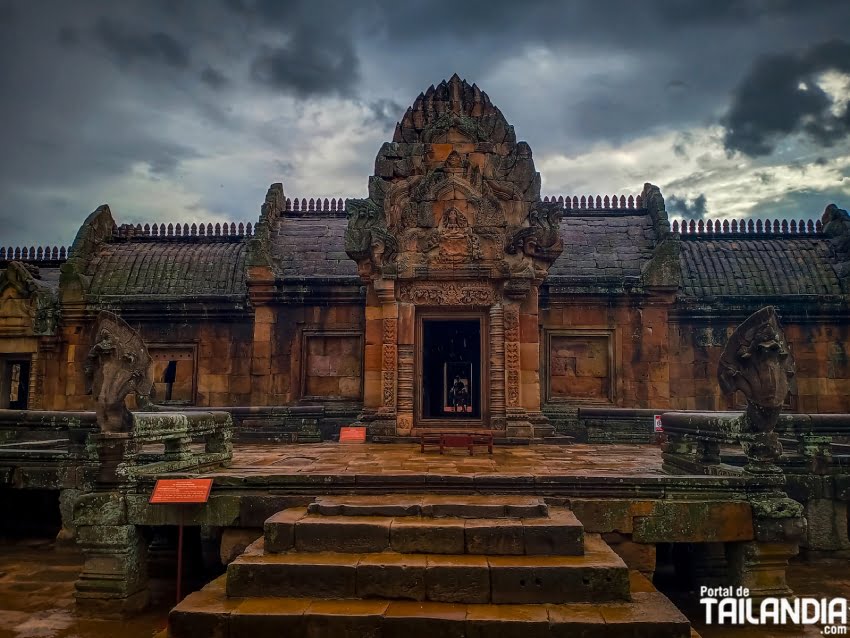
(450, 388)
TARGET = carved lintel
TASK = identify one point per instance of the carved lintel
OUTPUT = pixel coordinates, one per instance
(448, 294)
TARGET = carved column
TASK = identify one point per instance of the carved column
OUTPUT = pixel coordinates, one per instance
(405, 339)
(389, 361)
(36, 383)
(497, 367)
(761, 567)
(385, 422)
(114, 578)
(511, 326)
(404, 417)
(517, 418)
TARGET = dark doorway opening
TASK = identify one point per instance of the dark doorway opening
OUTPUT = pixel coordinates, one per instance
(29, 513)
(14, 384)
(451, 369)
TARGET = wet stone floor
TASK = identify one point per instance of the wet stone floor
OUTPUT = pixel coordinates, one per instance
(375, 458)
(37, 584)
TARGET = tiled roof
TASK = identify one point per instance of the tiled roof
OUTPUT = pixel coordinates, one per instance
(764, 266)
(311, 246)
(594, 246)
(608, 246)
(173, 267)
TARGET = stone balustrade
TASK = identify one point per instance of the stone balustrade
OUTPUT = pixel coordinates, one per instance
(748, 227)
(693, 439)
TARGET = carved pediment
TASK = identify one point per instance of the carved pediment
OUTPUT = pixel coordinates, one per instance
(453, 188)
(28, 304)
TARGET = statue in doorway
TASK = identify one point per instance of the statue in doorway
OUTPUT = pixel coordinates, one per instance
(459, 395)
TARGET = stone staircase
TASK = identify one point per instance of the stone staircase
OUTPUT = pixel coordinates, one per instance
(386, 566)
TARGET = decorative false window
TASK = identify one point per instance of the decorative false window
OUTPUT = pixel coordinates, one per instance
(332, 365)
(580, 366)
(174, 374)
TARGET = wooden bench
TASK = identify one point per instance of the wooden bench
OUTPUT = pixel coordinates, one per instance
(462, 438)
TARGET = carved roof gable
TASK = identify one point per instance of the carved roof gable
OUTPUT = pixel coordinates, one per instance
(453, 190)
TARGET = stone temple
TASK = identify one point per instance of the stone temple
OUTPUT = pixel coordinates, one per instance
(454, 296)
(549, 302)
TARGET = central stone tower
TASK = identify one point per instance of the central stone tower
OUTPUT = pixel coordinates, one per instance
(453, 243)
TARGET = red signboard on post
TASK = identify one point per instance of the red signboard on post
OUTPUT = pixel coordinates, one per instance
(181, 491)
(352, 435)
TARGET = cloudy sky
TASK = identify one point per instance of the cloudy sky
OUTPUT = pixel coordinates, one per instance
(186, 111)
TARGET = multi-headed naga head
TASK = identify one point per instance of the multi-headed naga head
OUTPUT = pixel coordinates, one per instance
(758, 362)
(117, 364)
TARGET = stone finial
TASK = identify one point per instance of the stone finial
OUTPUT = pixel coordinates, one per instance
(758, 362)
(836, 226)
(98, 229)
(653, 200)
(118, 364)
(453, 103)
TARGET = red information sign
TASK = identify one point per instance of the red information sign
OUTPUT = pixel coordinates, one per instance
(181, 490)
(352, 435)
(658, 426)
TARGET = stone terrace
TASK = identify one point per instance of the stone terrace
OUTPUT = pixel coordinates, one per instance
(401, 459)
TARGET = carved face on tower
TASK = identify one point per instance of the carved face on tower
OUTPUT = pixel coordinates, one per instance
(454, 191)
(757, 361)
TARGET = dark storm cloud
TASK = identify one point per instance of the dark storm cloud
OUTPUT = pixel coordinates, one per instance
(689, 209)
(658, 65)
(780, 96)
(67, 36)
(103, 88)
(213, 78)
(682, 144)
(7, 14)
(311, 50)
(307, 65)
(129, 44)
(799, 204)
(385, 112)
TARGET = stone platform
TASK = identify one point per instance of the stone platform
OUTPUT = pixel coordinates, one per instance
(617, 496)
(409, 566)
(252, 459)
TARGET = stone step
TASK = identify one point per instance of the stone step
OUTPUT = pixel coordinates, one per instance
(559, 533)
(210, 612)
(434, 506)
(598, 575)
